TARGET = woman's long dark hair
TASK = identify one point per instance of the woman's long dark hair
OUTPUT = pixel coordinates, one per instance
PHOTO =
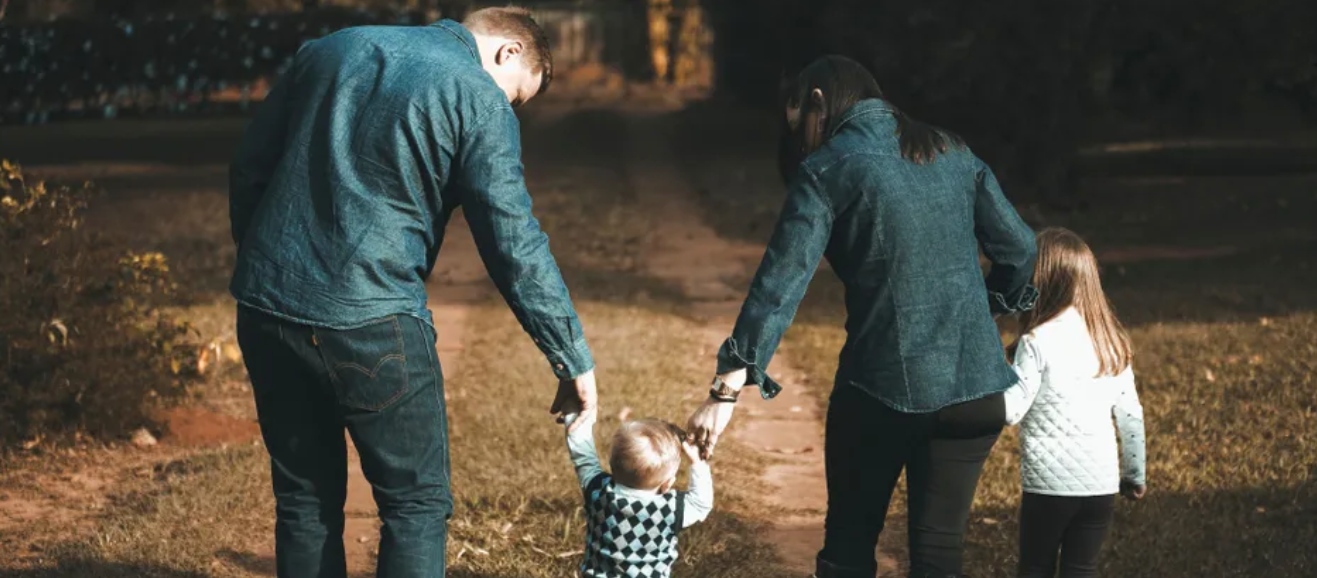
(845, 82)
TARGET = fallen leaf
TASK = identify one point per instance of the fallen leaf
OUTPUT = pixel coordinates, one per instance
(143, 438)
(1209, 375)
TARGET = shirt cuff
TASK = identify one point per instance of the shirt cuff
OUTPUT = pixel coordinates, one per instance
(1023, 301)
(731, 358)
(569, 363)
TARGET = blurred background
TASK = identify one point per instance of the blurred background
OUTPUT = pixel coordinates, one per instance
(1179, 138)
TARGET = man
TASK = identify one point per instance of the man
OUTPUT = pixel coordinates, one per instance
(339, 195)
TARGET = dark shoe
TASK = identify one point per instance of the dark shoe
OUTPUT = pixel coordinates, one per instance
(826, 569)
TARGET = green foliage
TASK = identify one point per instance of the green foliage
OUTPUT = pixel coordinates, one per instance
(85, 349)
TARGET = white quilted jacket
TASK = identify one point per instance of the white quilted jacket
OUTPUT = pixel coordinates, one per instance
(1065, 414)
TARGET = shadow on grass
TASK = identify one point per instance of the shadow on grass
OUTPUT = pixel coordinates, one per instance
(78, 568)
(1245, 532)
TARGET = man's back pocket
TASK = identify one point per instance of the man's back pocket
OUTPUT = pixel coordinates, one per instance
(368, 365)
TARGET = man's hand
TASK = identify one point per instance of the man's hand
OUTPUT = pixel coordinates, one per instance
(1132, 491)
(576, 395)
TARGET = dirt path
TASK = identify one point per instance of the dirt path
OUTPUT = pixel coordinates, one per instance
(709, 270)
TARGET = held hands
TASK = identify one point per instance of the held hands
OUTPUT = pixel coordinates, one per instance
(692, 451)
(576, 396)
(1132, 491)
(711, 418)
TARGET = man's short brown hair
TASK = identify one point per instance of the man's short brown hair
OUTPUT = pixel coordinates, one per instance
(515, 23)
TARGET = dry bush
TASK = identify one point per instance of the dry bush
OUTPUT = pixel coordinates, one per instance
(84, 348)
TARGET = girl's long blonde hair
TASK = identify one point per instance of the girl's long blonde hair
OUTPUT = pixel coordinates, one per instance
(1067, 275)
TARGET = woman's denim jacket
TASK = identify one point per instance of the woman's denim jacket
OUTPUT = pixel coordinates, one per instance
(904, 239)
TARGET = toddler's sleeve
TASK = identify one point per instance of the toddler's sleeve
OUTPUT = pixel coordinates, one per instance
(580, 446)
(699, 497)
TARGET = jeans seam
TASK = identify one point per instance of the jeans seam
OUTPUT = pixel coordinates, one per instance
(437, 382)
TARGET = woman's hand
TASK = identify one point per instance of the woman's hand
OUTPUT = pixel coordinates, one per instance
(711, 418)
(707, 423)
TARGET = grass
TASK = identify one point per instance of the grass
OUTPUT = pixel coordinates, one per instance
(500, 450)
(518, 509)
(1225, 361)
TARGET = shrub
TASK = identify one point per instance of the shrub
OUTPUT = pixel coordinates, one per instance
(85, 349)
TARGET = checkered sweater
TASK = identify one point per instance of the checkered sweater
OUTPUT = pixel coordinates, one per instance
(630, 537)
(633, 533)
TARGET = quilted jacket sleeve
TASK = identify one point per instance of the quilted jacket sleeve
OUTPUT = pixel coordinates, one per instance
(1129, 426)
(1029, 369)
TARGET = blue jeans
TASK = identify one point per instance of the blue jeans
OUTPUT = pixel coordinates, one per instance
(382, 383)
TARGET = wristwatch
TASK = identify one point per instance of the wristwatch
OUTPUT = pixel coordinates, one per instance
(723, 392)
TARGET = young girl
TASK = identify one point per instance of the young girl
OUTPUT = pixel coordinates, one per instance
(1073, 360)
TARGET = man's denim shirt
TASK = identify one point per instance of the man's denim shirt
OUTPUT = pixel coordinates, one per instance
(904, 239)
(348, 174)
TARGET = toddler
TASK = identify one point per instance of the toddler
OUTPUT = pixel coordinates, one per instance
(634, 514)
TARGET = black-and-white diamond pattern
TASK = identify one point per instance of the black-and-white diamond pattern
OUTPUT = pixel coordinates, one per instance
(629, 538)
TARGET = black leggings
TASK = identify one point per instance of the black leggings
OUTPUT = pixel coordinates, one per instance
(942, 453)
(1076, 525)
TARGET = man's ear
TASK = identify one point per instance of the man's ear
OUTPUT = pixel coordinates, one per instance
(507, 52)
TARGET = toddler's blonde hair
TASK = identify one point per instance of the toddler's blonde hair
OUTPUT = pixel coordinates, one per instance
(646, 453)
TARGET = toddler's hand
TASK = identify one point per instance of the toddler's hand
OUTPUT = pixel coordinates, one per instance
(692, 451)
(1132, 491)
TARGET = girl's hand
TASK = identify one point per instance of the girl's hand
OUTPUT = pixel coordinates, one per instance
(1132, 491)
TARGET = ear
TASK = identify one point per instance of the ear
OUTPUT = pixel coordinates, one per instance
(667, 486)
(508, 52)
(816, 99)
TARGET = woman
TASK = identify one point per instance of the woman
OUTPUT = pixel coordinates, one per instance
(900, 209)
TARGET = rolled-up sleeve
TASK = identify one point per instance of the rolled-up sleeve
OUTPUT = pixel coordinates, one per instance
(1008, 242)
(784, 274)
(514, 249)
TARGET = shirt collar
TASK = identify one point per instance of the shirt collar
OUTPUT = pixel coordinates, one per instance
(462, 34)
(865, 107)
